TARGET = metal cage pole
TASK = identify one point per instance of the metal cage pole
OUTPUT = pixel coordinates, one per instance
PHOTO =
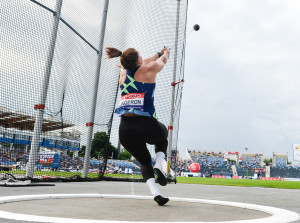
(90, 124)
(170, 127)
(34, 152)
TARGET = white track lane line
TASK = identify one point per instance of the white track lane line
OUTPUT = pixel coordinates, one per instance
(278, 215)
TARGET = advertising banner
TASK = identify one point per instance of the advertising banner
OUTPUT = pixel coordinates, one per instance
(46, 158)
(272, 178)
(190, 174)
(296, 149)
(218, 176)
(50, 160)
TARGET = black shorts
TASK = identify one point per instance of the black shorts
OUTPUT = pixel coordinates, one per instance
(135, 132)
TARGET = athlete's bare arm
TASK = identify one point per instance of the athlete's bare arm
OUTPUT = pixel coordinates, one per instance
(148, 71)
(150, 59)
(162, 60)
(156, 66)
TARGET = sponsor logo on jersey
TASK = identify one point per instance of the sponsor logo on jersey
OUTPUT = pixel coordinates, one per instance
(133, 100)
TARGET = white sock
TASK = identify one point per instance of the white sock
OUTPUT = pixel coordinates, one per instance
(160, 157)
(153, 188)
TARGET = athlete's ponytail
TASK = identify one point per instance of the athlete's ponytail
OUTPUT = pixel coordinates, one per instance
(128, 58)
(112, 52)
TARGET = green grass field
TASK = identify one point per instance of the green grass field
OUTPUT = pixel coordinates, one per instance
(240, 182)
(183, 180)
(17, 173)
(229, 182)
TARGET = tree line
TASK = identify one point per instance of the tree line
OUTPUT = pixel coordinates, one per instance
(101, 147)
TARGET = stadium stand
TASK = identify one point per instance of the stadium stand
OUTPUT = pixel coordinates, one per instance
(59, 140)
(179, 164)
(208, 158)
(280, 160)
(212, 163)
(286, 172)
(248, 171)
(18, 160)
(252, 160)
(15, 156)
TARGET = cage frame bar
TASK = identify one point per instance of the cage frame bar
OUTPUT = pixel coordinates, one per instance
(170, 130)
(67, 24)
(43, 95)
(95, 94)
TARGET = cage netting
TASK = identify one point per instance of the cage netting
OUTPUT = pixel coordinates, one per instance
(53, 72)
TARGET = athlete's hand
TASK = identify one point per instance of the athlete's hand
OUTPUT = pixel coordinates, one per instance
(165, 50)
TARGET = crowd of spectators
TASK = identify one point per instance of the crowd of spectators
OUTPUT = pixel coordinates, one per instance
(281, 160)
(68, 163)
(210, 162)
(122, 167)
(18, 160)
(251, 160)
(286, 171)
(208, 159)
(15, 158)
(213, 162)
(178, 164)
(216, 159)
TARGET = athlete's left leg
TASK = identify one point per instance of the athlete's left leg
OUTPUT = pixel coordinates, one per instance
(158, 136)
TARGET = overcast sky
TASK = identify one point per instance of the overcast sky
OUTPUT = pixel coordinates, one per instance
(242, 82)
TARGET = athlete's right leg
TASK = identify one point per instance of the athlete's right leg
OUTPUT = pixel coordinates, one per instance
(141, 154)
(158, 136)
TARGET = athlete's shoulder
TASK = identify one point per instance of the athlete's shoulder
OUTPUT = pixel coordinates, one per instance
(122, 76)
(153, 65)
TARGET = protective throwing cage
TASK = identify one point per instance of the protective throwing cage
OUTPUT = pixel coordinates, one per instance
(57, 89)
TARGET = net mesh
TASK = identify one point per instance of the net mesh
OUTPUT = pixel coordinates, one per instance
(27, 28)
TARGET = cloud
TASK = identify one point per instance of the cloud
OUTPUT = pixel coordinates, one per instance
(242, 76)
